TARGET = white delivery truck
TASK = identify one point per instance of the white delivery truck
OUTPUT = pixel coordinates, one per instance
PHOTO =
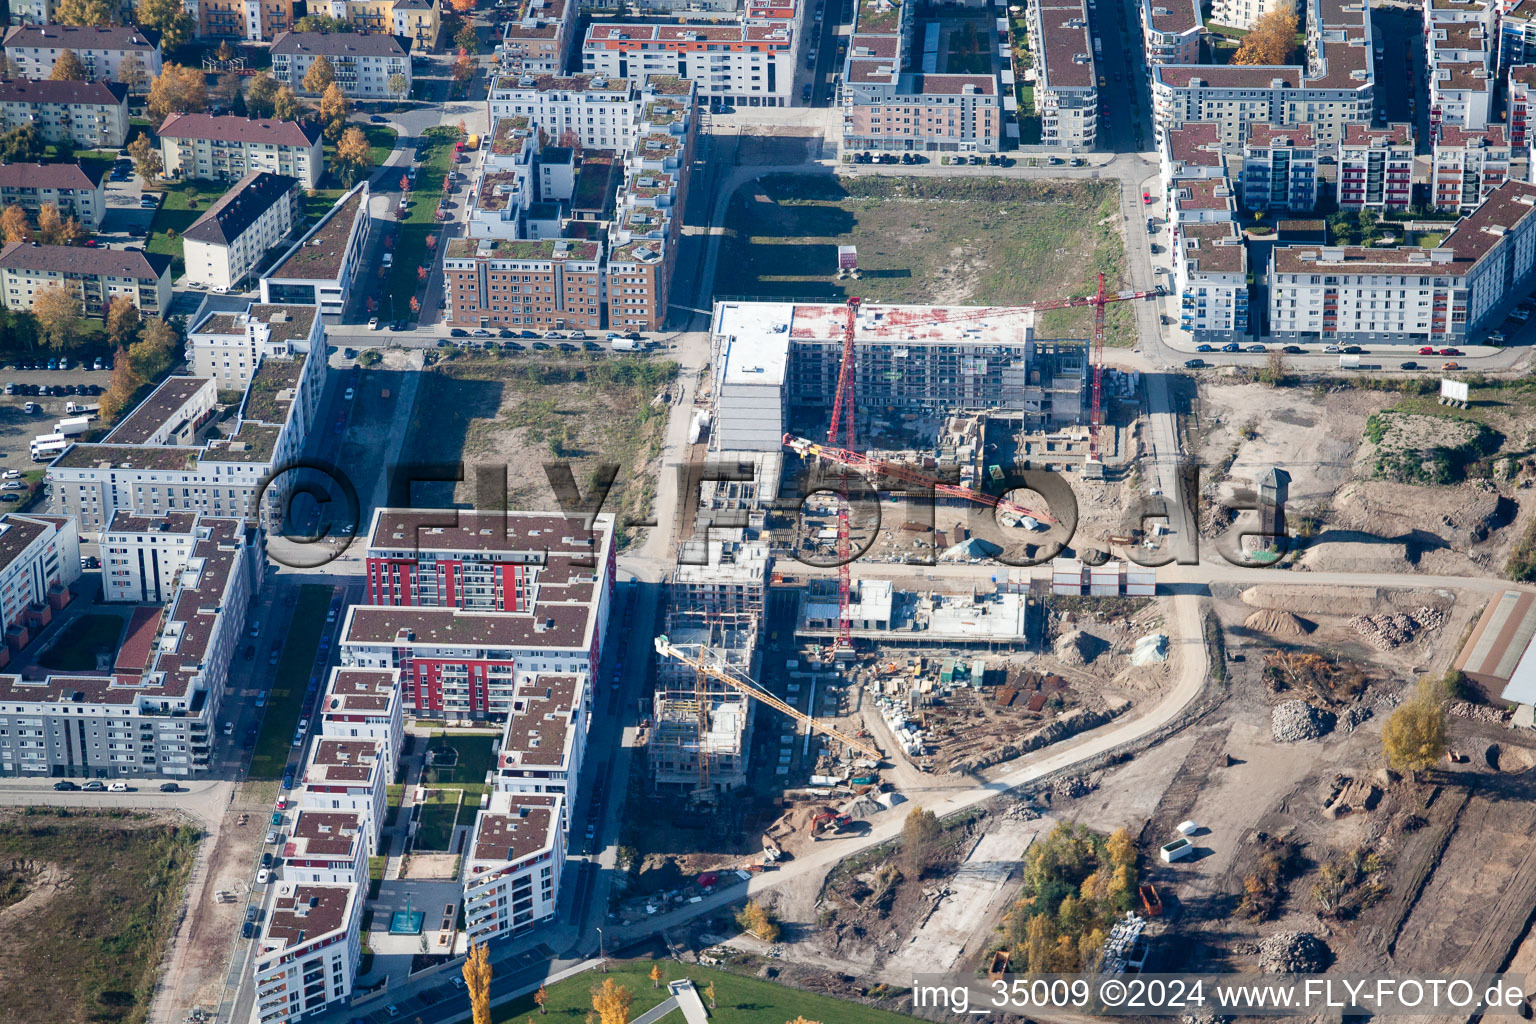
(624, 344)
(1349, 362)
(80, 409)
(47, 447)
(72, 427)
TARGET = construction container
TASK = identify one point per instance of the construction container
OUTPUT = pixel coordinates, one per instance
(1104, 580)
(1067, 577)
(1140, 582)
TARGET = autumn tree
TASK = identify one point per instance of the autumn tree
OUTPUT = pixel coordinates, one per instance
(177, 90)
(121, 388)
(709, 994)
(1414, 736)
(919, 841)
(324, 24)
(57, 310)
(610, 1001)
(123, 320)
(463, 67)
(334, 108)
(67, 68)
(259, 94)
(53, 229)
(146, 157)
(319, 76)
(132, 73)
(14, 226)
(225, 52)
(169, 18)
(462, 6)
(155, 351)
(285, 104)
(398, 85)
(467, 39)
(354, 155)
(755, 919)
(541, 998)
(83, 12)
(1271, 41)
(477, 978)
(655, 975)
(227, 89)
(22, 144)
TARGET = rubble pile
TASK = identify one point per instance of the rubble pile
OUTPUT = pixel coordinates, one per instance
(1072, 648)
(1293, 953)
(1476, 712)
(1384, 632)
(1295, 720)
(1475, 516)
(1352, 717)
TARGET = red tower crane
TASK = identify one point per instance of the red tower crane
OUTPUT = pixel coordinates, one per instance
(846, 455)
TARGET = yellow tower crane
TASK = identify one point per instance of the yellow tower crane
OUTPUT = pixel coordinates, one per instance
(743, 684)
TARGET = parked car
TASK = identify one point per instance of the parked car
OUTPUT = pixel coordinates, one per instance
(458, 332)
(1231, 346)
(1205, 348)
(169, 787)
(1257, 348)
(1452, 365)
(1194, 364)
(1427, 350)
(64, 785)
(1450, 352)
(94, 786)
(1409, 365)
(118, 787)
(1294, 350)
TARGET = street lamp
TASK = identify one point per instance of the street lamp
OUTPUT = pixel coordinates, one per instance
(602, 961)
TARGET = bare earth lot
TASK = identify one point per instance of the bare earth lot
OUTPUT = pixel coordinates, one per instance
(981, 241)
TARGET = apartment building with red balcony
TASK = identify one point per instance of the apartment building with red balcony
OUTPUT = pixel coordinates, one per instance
(1468, 165)
(467, 605)
(1522, 84)
(1376, 168)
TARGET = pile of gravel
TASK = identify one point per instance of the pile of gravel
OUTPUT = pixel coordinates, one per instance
(1296, 720)
(1353, 717)
(1293, 953)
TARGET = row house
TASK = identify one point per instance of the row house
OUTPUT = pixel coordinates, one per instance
(1375, 169)
(347, 776)
(364, 705)
(643, 238)
(74, 189)
(543, 743)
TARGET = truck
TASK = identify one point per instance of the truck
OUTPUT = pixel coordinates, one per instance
(473, 142)
(74, 426)
(80, 409)
(47, 447)
(624, 344)
(1349, 362)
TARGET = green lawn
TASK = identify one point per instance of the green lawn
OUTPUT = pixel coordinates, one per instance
(381, 143)
(183, 203)
(286, 700)
(739, 1000)
(434, 825)
(436, 154)
(476, 757)
(77, 647)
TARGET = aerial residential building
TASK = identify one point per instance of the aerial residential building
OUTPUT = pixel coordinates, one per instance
(469, 604)
(227, 347)
(1517, 35)
(215, 475)
(327, 848)
(1202, 201)
(553, 283)
(1522, 81)
(1468, 166)
(643, 236)
(94, 276)
(363, 64)
(537, 39)
(321, 267)
(34, 49)
(1244, 14)
(142, 557)
(589, 110)
(364, 704)
(1192, 150)
(1459, 42)
(225, 244)
(744, 64)
(1410, 294)
(90, 115)
(348, 775)
(1170, 31)
(1280, 168)
(1376, 168)
(513, 867)
(175, 413)
(545, 738)
(39, 561)
(1066, 89)
(308, 951)
(1210, 275)
(256, 21)
(31, 12)
(721, 576)
(224, 147)
(420, 21)
(75, 189)
(155, 714)
(1460, 95)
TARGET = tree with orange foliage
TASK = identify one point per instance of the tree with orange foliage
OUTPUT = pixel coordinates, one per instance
(1271, 41)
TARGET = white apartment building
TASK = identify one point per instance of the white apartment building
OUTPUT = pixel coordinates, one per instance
(1280, 168)
(1410, 294)
(223, 147)
(595, 111)
(75, 190)
(327, 848)
(222, 475)
(545, 739)
(34, 49)
(321, 267)
(1192, 150)
(1202, 201)
(364, 705)
(1468, 166)
(307, 954)
(512, 871)
(1210, 275)
(347, 775)
(1244, 14)
(1066, 87)
(94, 276)
(226, 348)
(1517, 36)
(31, 12)
(92, 115)
(1375, 168)
(39, 561)
(745, 64)
(142, 558)
(154, 714)
(1521, 83)
(363, 63)
(1460, 95)
(225, 245)
(1170, 31)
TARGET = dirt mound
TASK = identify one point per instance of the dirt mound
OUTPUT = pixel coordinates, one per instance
(1278, 623)
(1293, 953)
(1311, 600)
(1078, 647)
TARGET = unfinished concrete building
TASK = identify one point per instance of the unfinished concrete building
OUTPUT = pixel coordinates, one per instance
(721, 574)
(703, 727)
